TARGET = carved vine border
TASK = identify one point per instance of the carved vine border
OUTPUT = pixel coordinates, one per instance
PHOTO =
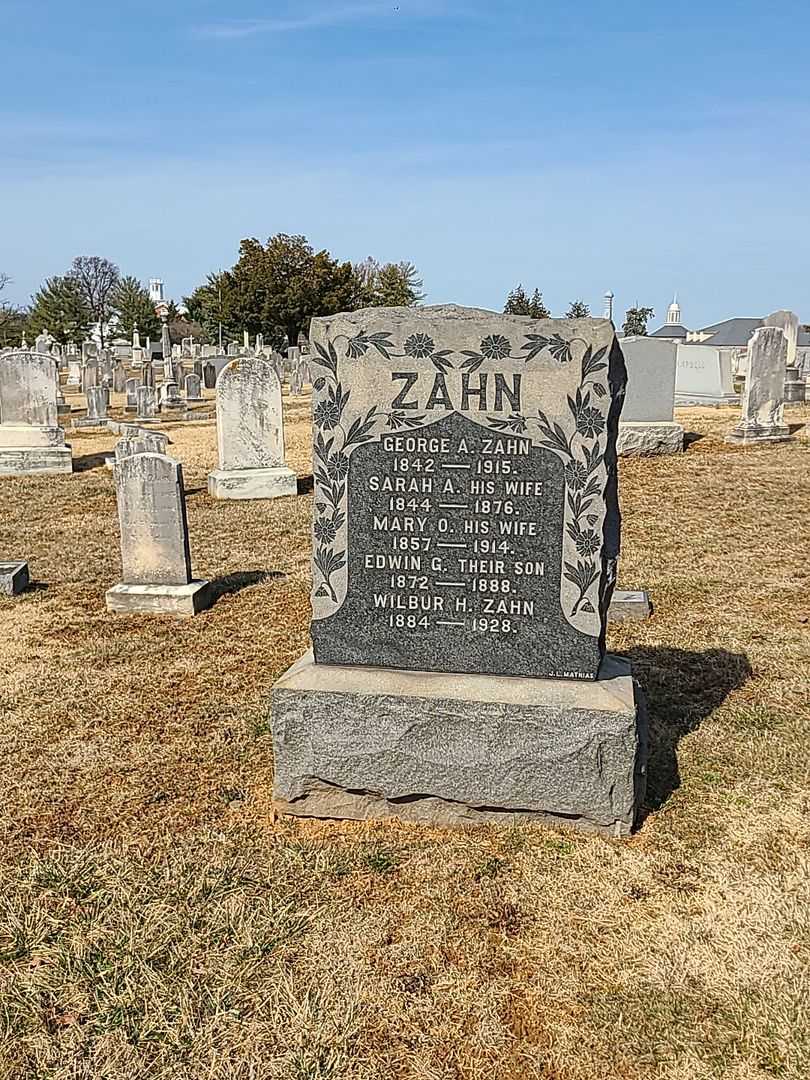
(579, 448)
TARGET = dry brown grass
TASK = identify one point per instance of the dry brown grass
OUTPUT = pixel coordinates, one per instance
(156, 921)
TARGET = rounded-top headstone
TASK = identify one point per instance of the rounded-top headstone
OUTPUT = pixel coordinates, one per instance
(249, 420)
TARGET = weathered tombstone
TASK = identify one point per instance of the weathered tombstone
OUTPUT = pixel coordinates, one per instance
(629, 606)
(233, 348)
(43, 342)
(795, 386)
(250, 434)
(788, 323)
(296, 382)
(186, 347)
(90, 375)
(148, 373)
(703, 377)
(648, 425)
(193, 387)
(140, 442)
(146, 408)
(763, 401)
(74, 377)
(259, 343)
(14, 577)
(154, 541)
(97, 400)
(30, 439)
(166, 345)
(89, 351)
(131, 389)
(119, 379)
(209, 375)
(466, 533)
(245, 339)
(106, 367)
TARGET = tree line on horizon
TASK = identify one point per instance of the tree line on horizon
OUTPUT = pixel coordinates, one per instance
(273, 289)
(518, 302)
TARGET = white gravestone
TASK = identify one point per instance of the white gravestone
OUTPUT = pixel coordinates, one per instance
(250, 434)
(703, 377)
(97, 400)
(146, 407)
(763, 403)
(131, 390)
(30, 439)
(154, 541)
(647, 426)
(193, 388)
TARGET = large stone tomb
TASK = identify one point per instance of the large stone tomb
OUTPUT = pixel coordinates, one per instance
(465, 539)
(250, 434)
(763, 402)
(647, 426)
(154, 540)
(31, 442)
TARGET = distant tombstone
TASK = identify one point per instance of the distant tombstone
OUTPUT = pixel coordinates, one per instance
(763, 400)
(250, 434)
(259, 342)
(131, 390)
(106, 367)
(30, 439)
(146, 398)
(233, 348)
(90, 375)
(788, 323)
(193, 387)
(245, 339)
(119, 380)
(74, 377)
(647, 425)
(186, 347)
(97, 400)
(296, 382)
(466, 525)
(209, 350)
(178, 372)
(89, 350)
(165, 344)
(43, 342)
(209, 376)
(703, 377)
(148, 373)
(155, 553)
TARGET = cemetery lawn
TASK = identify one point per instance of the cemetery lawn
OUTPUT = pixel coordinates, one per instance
(157, 921)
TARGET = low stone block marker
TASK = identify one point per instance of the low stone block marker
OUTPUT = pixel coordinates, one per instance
(154, 541)
(14, 577)
(31, 441)
(250, 434)
(626, 606)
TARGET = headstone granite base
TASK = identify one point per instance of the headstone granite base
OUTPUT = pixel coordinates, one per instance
(35, 460)
(252, 483)
(443, 749)
(14, 578)
(649, 439)
(179, 601)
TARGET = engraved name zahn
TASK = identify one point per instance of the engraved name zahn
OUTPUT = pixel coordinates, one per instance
(465, 391)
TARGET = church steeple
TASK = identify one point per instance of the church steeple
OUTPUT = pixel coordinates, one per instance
(674, 313)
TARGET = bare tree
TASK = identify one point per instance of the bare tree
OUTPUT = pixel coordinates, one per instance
(98, 280)
(12, 317)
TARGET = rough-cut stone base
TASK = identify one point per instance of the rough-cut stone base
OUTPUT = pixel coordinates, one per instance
(629, 606)
(90, 422)
(359, 742)
(637, 439)
(180, 601)
(707, 400)
(252, 483)
(14, 578)
(749, 436)
(36, 460)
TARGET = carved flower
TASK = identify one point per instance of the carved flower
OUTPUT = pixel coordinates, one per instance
(576, 475)
(325, 530)
(338, 466)
(587, 542)
(419, 346)
(495, 347)
(327, 415)
(590, 422)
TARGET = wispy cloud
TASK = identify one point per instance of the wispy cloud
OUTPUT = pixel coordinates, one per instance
(334, 15)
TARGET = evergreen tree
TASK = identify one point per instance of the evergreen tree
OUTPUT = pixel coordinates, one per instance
(387, 284)
(578, 309)
(537, 309)
(635, 321)
(517, 302)
(60, 307)
(132, 307)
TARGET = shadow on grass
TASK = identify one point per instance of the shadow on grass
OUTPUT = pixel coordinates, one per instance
(794, 428)
(85, 462)
(305, 484)
(691, 437)
(682, 688)
(234, 583)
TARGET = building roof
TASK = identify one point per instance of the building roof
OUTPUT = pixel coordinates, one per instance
(731, 332)
(670, 330)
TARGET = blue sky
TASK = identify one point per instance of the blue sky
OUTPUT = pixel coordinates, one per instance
(637, 146)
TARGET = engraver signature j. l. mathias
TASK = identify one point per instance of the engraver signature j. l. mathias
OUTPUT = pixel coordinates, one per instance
(578, 443)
